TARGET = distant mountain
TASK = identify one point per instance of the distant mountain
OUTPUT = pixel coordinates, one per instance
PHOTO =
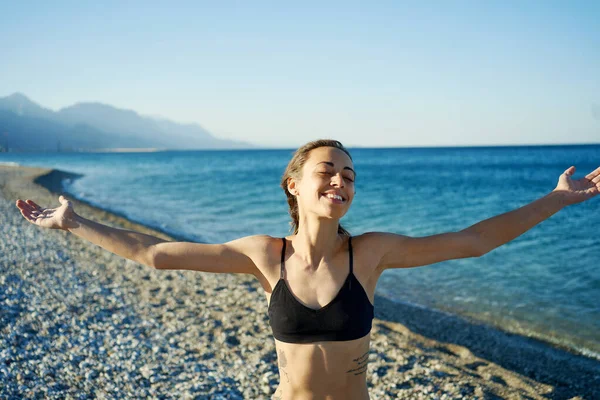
(19, 104)
(27, 126)
(40, 134)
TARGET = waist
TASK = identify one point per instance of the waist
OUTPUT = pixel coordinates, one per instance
(333, 370)
(349, 392)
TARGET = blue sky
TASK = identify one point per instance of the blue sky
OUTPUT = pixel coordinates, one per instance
(397, 73)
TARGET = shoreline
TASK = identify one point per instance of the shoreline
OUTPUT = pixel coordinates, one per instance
(53, 182)
(439, 348)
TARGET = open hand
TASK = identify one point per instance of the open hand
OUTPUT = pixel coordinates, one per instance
(52, 218)
(579, 190)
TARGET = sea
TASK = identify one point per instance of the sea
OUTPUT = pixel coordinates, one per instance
(544, 284)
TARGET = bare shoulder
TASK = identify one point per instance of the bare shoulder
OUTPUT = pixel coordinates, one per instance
(374, 238)
(259, 248)
(376, 242)
(265, 253)
(368, 249)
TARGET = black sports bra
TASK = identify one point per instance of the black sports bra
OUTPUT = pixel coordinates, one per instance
(347, 317)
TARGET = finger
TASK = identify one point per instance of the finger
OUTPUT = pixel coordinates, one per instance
(31, 204)
(31, 213)
(593, 174)
(64, 200)
(24, 206)
(28, 211)
(34, 205)
(28, 216)
(36, 219)
(569, 171)
(23, 213)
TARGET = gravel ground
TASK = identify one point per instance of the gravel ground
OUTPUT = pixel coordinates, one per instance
(77, 321)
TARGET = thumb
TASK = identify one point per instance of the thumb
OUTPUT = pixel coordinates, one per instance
(63, 200)
(569, 171)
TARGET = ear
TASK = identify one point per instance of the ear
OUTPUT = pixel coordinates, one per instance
(291, 186)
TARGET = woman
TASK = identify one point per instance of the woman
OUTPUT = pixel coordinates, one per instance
(319, 282)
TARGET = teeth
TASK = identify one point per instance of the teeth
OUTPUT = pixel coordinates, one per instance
(335, 196)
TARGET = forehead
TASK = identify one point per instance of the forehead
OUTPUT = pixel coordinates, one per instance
(333, 154)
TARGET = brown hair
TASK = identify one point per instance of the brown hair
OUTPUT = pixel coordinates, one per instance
(294, 170)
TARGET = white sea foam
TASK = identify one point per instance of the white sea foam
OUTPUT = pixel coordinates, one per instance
(10, 164)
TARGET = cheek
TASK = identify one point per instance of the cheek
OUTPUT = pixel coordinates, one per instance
(309, 190)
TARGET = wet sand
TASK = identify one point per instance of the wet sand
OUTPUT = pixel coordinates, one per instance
(78, 320)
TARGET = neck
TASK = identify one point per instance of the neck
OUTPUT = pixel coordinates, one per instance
(316, 240)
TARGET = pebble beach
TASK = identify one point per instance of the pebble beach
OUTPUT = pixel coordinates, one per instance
(79, 322)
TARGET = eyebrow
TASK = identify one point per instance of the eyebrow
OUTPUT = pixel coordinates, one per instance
(333, 165)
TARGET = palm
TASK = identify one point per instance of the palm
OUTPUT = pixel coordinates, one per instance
(52, 218)
(576, 191)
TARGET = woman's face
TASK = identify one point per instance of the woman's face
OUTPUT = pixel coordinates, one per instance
(326, 187)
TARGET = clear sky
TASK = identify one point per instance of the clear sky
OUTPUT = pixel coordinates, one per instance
(390, 73)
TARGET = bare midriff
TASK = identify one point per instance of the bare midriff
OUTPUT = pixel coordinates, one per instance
(323, 370)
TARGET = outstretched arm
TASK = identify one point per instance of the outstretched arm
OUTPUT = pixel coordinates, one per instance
(129, 244)
(399, 251)
(496, 231)
(231, 257)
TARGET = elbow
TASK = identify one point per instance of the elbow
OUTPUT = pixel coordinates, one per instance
(477, 245)
(150, 258)
(478, 253)
(481, 249)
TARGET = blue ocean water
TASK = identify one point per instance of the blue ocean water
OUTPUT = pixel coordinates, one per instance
(544, 284)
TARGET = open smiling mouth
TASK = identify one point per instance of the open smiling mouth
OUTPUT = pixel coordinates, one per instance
(334, 198)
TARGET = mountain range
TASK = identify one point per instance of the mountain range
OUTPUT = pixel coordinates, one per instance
(27, 126)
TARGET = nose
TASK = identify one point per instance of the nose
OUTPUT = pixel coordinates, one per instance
(338, 180)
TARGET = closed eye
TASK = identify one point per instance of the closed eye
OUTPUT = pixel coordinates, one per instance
(349, 179)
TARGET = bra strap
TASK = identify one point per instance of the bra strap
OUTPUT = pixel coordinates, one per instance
(282, 258)
(351, 263)
(350, 250)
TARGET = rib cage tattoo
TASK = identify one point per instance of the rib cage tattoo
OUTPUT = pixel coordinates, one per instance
(361, 365)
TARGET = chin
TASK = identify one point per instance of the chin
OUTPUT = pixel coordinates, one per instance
(335, 214)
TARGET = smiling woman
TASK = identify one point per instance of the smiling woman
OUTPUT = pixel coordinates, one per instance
(319, 282)
(325, 168)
